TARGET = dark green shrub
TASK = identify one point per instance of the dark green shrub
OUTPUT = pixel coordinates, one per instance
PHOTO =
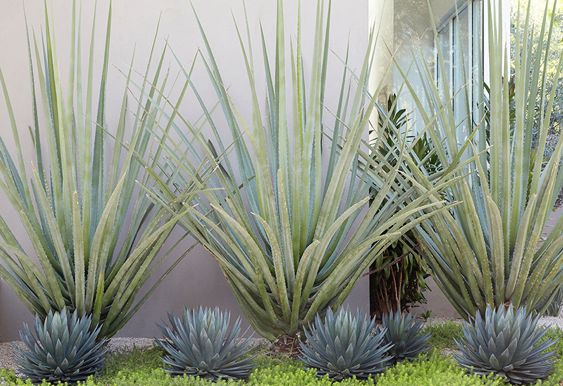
(398, 278)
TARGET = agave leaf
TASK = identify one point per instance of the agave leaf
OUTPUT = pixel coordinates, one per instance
(505, 343)
(62, 349)
(203, 343)
(345, 345)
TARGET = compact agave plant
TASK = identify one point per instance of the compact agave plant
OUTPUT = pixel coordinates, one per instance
(403, 331)
(61, 348)
(344, 345)
(202, 343)
(508, 343)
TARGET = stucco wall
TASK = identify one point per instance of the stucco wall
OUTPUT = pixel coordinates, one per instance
(198, 279)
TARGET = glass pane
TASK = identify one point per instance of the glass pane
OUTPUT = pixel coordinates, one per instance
(444, 54)
(462, 71)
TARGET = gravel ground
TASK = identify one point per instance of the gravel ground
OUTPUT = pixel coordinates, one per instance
(547, 321)
(7, 354)
(116, 345)
(552, 321)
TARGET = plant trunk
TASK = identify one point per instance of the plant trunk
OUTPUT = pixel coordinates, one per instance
(287, 345)
(385, 295)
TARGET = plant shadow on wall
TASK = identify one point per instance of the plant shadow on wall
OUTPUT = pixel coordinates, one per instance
(94, 237)
(287, 213)
(489, 249)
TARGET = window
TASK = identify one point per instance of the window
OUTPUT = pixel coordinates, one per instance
(459, 41)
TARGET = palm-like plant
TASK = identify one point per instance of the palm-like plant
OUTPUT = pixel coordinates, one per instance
(398, 280)
(489, 249)
(287, 214)
(94, 238)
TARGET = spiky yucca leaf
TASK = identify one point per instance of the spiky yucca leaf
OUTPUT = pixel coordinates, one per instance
(94, 238)
(287, 213)
(489, 249)
(61, 348)
(506, 342)
(403, 332)
(345, 345)
(203, 343)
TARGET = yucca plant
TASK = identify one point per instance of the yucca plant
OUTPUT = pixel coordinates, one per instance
(61, 348)
(203, 343)
(489, 250)
(286, 215)
(345, 345)
(506, 342)
(94, 238)
(403, 333)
